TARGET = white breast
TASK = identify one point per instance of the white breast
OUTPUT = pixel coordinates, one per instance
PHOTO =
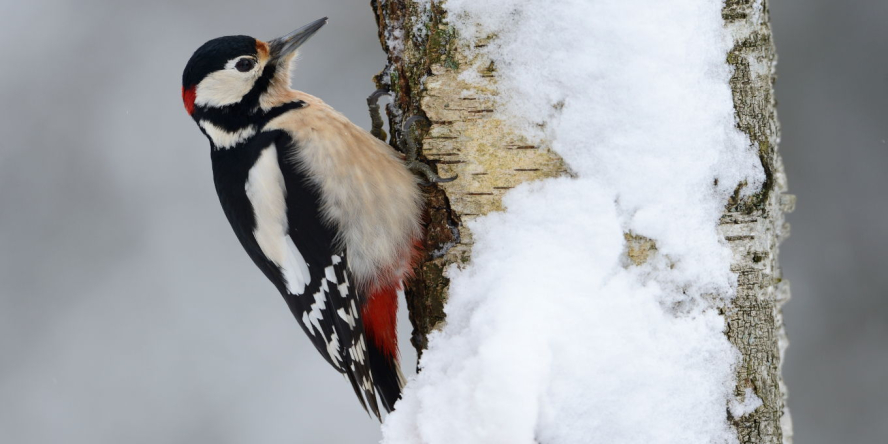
(226, 139)
(267, 194)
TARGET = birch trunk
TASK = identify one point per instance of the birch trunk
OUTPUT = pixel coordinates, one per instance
(463, 137)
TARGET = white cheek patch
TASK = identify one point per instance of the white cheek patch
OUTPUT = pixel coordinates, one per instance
(225, 139)
(225, 86)
(267, 194)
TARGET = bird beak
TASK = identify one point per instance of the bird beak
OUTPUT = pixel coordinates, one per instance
(281, 47)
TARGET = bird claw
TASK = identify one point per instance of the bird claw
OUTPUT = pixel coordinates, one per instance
(408, 146)
(432, 177)
(406, 142)
(375, 116)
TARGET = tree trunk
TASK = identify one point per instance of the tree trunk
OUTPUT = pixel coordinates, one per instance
(755, 227)
(462, 137)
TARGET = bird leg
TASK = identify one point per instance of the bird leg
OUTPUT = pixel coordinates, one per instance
(375, 116)
(408, 146)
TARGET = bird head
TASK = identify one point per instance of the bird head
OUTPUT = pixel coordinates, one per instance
(234, 74)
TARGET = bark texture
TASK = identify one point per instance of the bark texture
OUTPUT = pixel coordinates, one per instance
(462, 137)
(754, 228)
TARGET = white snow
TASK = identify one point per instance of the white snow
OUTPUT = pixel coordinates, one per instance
(551, 337)
(748, 405)
(395, 40)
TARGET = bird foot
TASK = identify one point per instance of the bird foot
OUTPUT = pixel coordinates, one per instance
(375, 116)
(408, 147)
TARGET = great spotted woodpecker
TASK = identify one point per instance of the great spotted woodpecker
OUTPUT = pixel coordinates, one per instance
(328, 212)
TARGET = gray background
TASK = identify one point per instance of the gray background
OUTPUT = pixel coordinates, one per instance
(832, 90)
(129, 313)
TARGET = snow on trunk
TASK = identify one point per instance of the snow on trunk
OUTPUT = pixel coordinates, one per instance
(556, 332)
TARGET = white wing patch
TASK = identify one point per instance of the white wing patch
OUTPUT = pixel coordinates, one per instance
(267, 194)
(320, 303)
(330, 274)
(358, 351)
(316, 315)
(333, 349)
(225, 139)
(295, 269)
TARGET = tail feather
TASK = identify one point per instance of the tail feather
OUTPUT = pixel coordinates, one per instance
(387, 377)
(352, 378)
(380, 321)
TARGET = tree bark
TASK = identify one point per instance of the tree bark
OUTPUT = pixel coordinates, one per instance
(463, 137)
(754, 228)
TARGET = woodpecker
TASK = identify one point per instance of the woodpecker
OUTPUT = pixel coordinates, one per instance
(328, 212)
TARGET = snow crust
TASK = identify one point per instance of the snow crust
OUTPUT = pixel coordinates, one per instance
(750, 402)
(552, 336)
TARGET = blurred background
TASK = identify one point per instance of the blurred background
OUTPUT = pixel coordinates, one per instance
(129, 313)
(832, 93)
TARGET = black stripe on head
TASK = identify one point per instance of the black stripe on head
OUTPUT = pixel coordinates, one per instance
(212, 56)
(262, 84)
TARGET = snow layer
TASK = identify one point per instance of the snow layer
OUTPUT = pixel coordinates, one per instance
(748, 405)
(551, 336)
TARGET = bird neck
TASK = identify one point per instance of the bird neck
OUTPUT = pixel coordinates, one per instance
(234, 125)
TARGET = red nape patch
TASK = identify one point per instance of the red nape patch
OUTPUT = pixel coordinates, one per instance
(380, 315)
(188, 97)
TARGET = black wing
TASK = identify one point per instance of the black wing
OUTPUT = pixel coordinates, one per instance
(327, 306)
(329, 309)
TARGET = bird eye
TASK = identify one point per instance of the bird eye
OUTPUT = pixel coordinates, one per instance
(244, 65)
